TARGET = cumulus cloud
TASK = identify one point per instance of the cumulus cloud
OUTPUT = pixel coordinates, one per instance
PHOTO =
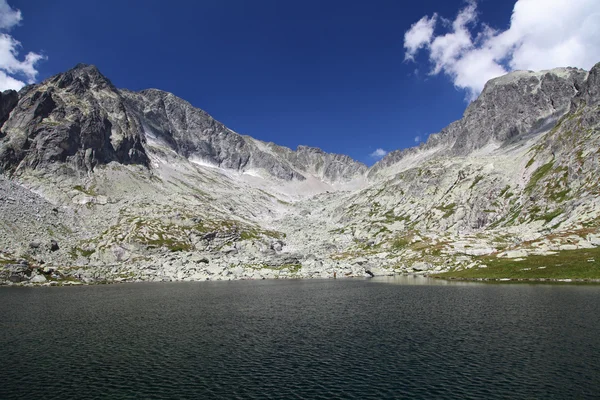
(9, 17)
(379, 153)
(419, 35)
(14, 72)
(543, 34)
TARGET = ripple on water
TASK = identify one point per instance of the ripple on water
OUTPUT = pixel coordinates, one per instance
(351, 339)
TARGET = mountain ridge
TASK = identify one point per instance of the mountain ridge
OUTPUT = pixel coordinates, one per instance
(120, 118)
(102, 184)
(86, 77)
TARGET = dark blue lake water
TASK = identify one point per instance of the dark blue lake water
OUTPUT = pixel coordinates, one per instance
(311, 339)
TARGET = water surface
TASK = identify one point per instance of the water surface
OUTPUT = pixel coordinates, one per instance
(356, 339)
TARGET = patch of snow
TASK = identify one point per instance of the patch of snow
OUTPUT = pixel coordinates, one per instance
(253, 172)
(408, 162)
(203, 163)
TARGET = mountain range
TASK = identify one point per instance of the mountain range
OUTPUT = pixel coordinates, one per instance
(100, 184)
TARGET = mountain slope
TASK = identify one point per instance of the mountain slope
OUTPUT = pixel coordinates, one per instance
(81, 120)
(143, 186)
(510, 108)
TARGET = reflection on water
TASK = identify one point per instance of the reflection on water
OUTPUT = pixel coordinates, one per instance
(420, 280)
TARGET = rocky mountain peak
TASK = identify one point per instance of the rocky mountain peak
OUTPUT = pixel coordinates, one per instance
(309, 149)
(74, 120)
(590, 90)
(192, 133)
(80, 78)
(510, 108)
(79, 118)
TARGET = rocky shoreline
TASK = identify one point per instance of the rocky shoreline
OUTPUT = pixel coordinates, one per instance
(25, 275)
(21, 275)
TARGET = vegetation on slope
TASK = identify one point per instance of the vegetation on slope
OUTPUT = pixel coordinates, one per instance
(568, 264)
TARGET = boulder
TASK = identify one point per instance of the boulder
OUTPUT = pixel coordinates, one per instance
(514, 254)
(38, 279)
(277, 245)
(53, 245)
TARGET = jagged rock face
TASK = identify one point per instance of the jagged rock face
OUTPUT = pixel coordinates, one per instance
(77, 119)
(590, 90)
(510, 108)
(80, 119)
(8, 101)
(515, 105)
(330, 167)
(194, 134)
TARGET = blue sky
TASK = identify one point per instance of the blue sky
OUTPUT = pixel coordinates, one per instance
(326, 73)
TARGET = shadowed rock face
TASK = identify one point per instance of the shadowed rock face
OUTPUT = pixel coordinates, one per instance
(77, 118)
(510, 108)
(80, 120)
(590, 89)
(8, 101)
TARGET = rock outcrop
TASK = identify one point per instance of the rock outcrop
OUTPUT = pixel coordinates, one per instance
(75, 120)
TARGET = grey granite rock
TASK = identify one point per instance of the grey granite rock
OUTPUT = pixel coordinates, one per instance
(172, 122)
(76, 118)
(79, 119)
(510, 108)
(497, 181)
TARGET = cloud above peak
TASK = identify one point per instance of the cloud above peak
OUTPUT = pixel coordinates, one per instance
(543, 34)
(14, 72)
(378, 154)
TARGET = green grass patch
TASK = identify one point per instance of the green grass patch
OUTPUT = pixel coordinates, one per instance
(75, 252)
(568, 264)
(89, 192)
(537, 175)
(171, 244)
(401, 242)
(551, 215)
(448, 209)
(530, 162)
(391, 217)
(477, 179)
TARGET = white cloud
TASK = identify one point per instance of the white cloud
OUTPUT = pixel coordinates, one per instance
(418, 139)
(8, 82)
(379, 153)
(419, 35)
(9, 17)
(12, 70)
(543, 34)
